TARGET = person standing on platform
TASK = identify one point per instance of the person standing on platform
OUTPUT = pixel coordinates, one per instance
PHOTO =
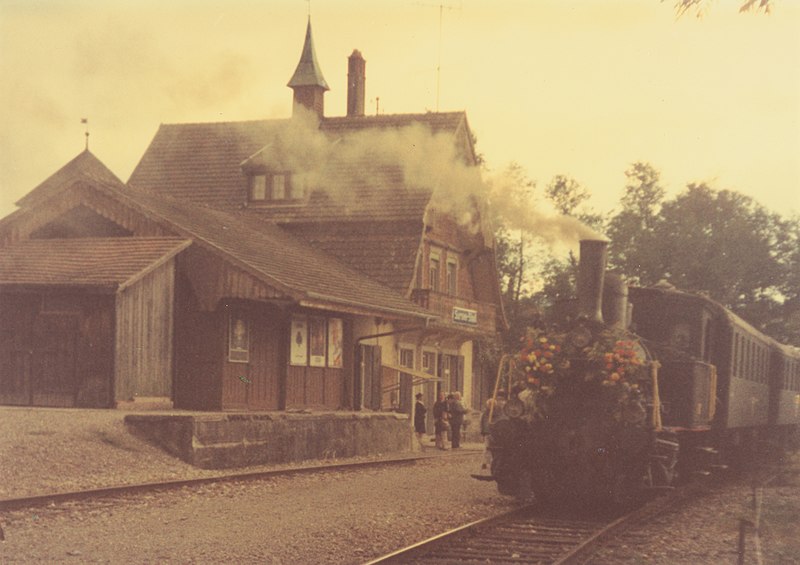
(487, 418)
(457, 412)
(440, 423)
(419, 419)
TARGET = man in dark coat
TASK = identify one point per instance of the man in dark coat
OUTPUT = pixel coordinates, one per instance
(440, 417)
(419, 419)
(457, 412)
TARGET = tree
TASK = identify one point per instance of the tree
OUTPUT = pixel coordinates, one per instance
(566, 194)
(719, 242)
(698, 6)
(632, 229)
(510, 244)
(525, 262)
(558, 275)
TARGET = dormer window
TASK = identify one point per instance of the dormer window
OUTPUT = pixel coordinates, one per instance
(274, 187)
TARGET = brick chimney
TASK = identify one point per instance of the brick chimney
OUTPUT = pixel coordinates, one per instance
(356, 83)
(307, 82)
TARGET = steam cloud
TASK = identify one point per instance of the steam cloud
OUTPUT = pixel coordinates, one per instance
(427, 160)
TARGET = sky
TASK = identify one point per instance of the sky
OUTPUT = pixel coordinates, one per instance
(582, 88)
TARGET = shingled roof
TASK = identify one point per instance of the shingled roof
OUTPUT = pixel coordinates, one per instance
(272, 255)
(349, 196)
(85, 166)
(112, 263)
(203, 163)
(385, 254)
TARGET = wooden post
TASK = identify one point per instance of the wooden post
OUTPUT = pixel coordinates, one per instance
(742, 535)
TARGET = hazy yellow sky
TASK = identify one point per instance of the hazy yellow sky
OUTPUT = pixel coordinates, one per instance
(576, 87)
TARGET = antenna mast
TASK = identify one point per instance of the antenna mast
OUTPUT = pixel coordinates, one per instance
(441, 7)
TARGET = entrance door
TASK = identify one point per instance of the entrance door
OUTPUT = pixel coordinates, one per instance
(370, 375)
(53, 379)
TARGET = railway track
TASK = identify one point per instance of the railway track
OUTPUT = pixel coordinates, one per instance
(121, 490)
(530, 534)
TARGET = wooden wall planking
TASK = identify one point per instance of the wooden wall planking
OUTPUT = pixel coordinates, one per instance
(144, 332)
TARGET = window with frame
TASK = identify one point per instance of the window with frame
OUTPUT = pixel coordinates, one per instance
(452, 276)
(434, 268)
(274, 187)
(429, 362)
(406, 357)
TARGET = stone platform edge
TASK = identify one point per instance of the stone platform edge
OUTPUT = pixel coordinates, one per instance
(223, 440)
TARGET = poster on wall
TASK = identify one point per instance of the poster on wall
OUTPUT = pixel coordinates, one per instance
(299, 349)
(316, 341)
(238, 340)
(335, 342)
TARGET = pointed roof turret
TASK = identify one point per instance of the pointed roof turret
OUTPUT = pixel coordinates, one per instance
(308, 72)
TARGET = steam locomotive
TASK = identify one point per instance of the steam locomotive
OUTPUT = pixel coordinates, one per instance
(633, 388)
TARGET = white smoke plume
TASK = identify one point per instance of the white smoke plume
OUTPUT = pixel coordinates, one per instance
(427, 161)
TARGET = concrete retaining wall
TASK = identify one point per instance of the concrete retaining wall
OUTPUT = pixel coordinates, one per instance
(216, 441)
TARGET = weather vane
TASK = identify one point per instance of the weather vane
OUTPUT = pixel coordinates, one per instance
(86, 121)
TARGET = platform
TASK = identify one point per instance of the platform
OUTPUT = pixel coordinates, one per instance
(240, 439)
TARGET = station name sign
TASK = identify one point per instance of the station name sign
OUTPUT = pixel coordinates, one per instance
(464, 316)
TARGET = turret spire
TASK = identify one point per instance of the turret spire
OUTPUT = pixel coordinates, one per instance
(307, 82)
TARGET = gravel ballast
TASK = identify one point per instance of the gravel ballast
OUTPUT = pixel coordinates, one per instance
(330, 517)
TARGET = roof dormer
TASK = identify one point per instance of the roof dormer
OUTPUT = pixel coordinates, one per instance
(270, 181)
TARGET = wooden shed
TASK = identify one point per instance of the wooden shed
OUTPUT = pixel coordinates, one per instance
(86, 322)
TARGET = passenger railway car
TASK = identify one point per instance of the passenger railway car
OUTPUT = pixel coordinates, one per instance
(632, 387)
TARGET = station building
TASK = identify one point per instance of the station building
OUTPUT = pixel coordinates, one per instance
(313, 262)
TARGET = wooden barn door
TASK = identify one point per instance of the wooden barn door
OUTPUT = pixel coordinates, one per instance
(15, 355)
(53, 378)
(263, 391)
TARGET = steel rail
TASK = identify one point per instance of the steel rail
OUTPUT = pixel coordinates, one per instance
(421, 547)
(117, 490)
(580, 553)
(532, 534)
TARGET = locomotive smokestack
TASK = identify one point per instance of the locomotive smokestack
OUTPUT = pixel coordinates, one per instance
(590, 279)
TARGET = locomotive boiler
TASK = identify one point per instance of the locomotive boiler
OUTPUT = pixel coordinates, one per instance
(631, 388)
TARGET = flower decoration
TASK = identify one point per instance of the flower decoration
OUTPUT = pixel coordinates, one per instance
(613, 359)
(620, 364)
(540, 357)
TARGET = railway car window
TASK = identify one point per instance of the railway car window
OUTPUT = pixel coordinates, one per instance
(735, 367)
(707, 342)
(740, 367)
(743, 359)
(759, 376)
(759, 364)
